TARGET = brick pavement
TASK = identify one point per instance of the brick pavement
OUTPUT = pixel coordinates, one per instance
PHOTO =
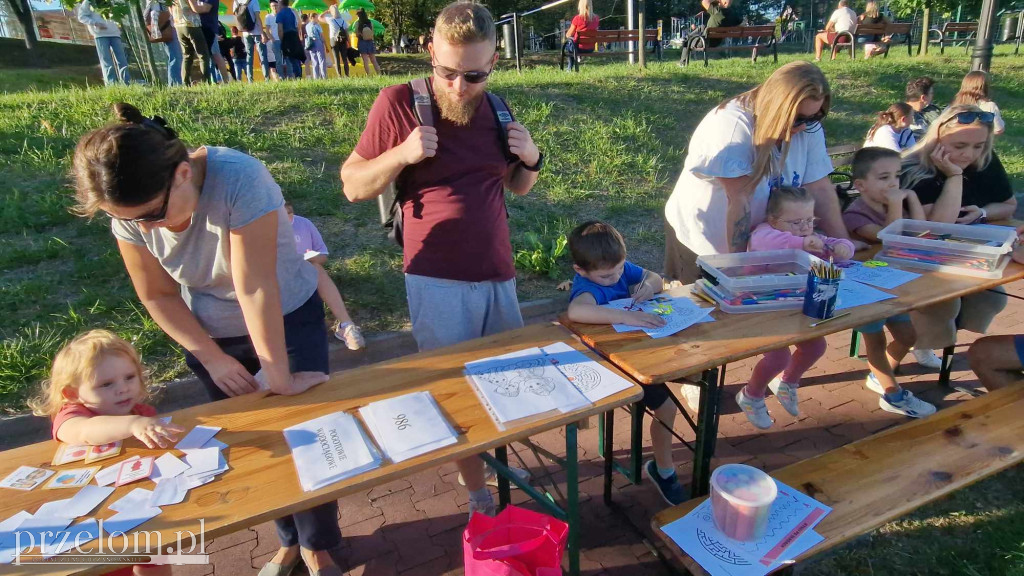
(413, 526)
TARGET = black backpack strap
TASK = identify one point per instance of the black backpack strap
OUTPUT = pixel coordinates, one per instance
(502, 117)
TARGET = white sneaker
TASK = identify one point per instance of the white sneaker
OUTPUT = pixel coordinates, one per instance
(910, 405)
(874, 385)
(351, 336)
(928, 358)
(487, 508)
(691, 396)
(786, 394)
(491, 477)
(754, 409)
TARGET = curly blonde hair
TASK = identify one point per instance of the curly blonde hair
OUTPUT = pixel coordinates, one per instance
(76, 362)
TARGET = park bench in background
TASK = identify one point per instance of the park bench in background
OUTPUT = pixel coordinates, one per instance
(883, 477)
(701, 42)
(884, 29)
(598, 37)
(950, 34)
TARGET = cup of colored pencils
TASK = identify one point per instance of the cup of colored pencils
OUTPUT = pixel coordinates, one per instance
(822, 290)
(741, 501)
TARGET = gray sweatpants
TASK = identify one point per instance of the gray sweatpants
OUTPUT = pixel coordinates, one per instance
(446, 312)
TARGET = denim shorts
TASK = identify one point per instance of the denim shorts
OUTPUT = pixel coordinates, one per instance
(876, 327)
(305, 336)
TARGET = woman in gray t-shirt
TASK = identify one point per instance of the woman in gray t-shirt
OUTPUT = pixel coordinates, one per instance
(208, 245)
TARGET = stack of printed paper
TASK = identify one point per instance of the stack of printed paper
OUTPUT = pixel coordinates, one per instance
(789, 534)
(523, 384)
(329, 449)
(538, 380)
(407, 426)
(678, 313)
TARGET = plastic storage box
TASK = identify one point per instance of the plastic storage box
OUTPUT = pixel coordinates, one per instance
(756, 281)
(968, 250)
(741, 500)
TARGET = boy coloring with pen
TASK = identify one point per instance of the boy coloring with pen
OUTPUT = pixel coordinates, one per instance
(789, 225)
(876, 176)
(603, 274)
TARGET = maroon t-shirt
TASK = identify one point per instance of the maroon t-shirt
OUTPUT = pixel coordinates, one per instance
(453, 205)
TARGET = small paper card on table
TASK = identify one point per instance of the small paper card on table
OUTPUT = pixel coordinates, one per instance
(103, 452)
(68, 453)
(197, 438)
(72, 478)
(25, 478)
(132, 470)
(407, 426)
(108, 475)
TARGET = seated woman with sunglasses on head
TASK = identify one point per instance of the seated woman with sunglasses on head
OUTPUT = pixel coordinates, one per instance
(208, 245)
(958, 178)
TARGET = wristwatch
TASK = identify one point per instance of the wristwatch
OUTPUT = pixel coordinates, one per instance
(536, 167)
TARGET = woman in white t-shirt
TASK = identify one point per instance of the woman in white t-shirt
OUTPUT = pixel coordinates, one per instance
(337, 23)
(733, 161)
(892, 128)
(974, 92)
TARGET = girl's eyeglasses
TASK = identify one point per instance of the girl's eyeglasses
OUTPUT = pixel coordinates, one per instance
(803, 222)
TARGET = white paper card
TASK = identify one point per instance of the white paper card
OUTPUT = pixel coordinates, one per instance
(202, 461)
(80, 534)
(196, 438)
(53, 509)
(523, 384)
(214, 443)
(138, 498)
(167, 466)
(589, 377)
(127, 520)
(170, 491)
(407, 426)
(853, 294)
(108, 475)
(26, 478)
(329, 449)
(87, 499)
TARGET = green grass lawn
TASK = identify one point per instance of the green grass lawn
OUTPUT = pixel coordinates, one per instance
(614, 139)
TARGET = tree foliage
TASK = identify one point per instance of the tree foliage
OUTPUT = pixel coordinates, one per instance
(110, 9)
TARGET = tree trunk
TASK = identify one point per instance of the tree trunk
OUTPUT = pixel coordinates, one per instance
(925, 18)
(24, 16)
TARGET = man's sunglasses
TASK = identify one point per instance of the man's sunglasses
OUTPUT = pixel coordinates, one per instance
(473, 76)
(970, 117)
(809, 120)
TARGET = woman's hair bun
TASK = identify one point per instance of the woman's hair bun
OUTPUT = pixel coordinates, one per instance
(127, 113)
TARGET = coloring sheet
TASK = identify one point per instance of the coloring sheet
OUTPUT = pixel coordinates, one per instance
(679, 314)
(592, 379)
(789, 534)
(888, 277)
(853, 294)
(523, 384)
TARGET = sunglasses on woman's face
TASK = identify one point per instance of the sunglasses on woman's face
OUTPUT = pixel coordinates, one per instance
(158, 216)
(970, 117)
(450, 74)
(809, 120)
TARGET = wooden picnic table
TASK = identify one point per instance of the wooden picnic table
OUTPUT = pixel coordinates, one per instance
(703, 349)
(262, 483)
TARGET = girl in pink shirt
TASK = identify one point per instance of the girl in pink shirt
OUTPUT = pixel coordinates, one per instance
(790, 224)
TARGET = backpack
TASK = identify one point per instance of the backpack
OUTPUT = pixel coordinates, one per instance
(389, 203)
(341, 37)
(366, 31)
(243, 16)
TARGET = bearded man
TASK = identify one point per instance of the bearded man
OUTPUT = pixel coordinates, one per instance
(459, 270)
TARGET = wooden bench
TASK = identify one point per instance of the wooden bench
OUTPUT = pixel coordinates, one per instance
(885, 29)
(700, 42)
(944, 35)
(883, 477)
(598, 37)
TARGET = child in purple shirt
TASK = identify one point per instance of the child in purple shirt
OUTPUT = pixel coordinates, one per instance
(310, 245)
(789, 224)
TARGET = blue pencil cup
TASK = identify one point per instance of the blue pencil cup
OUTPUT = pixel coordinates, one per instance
(820, 299)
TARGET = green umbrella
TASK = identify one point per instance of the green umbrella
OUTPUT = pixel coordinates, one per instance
(317, 5)
(378, 28)
(357, 4)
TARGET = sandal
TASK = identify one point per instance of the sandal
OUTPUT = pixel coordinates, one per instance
(275, 569)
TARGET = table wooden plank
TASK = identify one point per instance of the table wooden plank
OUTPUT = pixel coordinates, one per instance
(262, 483)
(869, 483)
(733, 337)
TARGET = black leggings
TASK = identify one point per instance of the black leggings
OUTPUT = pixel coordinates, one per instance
(340, 56)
